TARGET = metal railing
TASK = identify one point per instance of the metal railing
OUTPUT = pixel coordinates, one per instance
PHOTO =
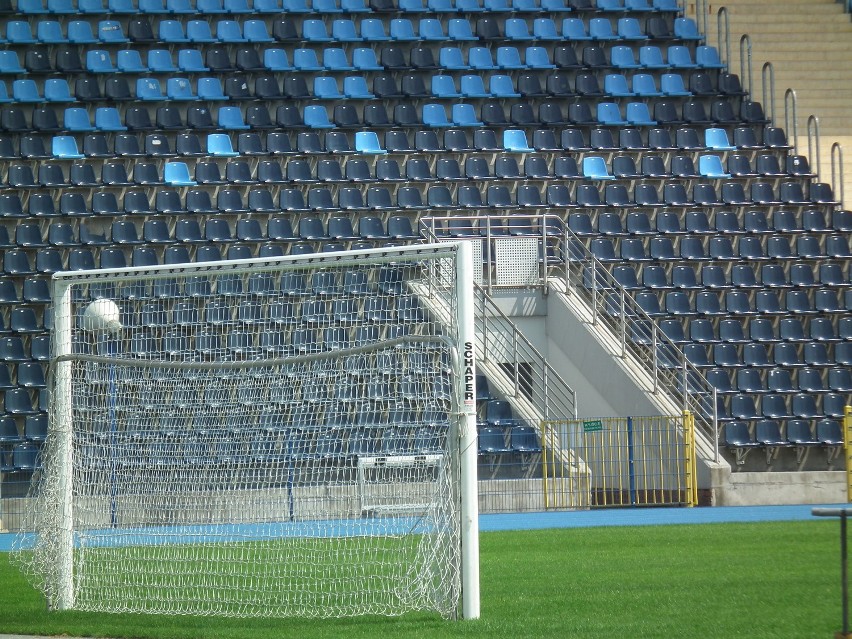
(498, 339)
(837, 171)
(563, 255)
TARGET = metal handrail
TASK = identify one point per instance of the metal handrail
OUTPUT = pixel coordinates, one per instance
(813, 142)
(723, 37)
(549, 394)
(837, 170)
(791, 113)
(615, 308)
(745, 62)
(768, 77)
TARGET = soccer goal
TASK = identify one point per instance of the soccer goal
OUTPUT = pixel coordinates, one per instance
(283, 437)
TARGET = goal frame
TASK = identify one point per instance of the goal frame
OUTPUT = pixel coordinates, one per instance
(463, 377)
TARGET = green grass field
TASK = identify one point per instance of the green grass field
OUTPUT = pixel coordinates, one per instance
(717, 581)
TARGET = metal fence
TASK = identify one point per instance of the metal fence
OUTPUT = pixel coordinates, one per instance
(619, 461)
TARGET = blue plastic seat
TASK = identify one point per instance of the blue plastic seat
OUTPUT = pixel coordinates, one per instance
(325, 88)
(177, 174)
(355, 87)
(373, 30)
(111, 32)
(651, 57)
(609, 114)
(515, 141)
(574, 29)
(480, 58)
(228, 31)
(717, 139)
(459, 29)
(686, 29)
(172, 31)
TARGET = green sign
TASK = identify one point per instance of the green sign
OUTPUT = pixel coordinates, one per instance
(592, 426)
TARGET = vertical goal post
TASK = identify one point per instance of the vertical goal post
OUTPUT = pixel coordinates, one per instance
(217, 431)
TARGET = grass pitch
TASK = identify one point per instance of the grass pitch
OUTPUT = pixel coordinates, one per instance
(766, 580)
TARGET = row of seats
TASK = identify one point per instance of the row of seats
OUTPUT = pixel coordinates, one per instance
(343, 30)
(767, 435)
(742, 302)
(236, 7)
(718, 248)
(774, 406)
(776, 275)
(215, 61)
(780, 380)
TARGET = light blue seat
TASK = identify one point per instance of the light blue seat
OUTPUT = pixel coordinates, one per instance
(57, 90)
(108, 119)
(630, 29)
(595, 168)
(402, 30)
(469, 6)
(334, 59)
(172, 31)
(306, 60)
(672, 84)
(601, 29)
(219, 145)
(179, 7)
(90, 7)
(267, 6)
(343, 30)
(473, 86)
(229, 32)
(373, 30)
(717, 139)
(711, 166)
(544, 29)
(555, 6)
(314, 30)
(622, 57)
(296, 6)
(515, 141)
(325, 88)
(501, 86)
(679, 57)
(440, 6)
(637, 114)
(452, 58)
(368, 142)
(4, 94)
(686, 29)
(177, 174)
(651, 57)
(160, 61)
(210, 89)
(231, 118)
(412, 6)
(459, 29)
(26, 91)
(615, 84)
(80, 32)
(129, 61)
(180, 89)
(325, 6)
(31, 7)
(190, 61)
(149, 90)
(237, 7)
(609, 114)
(364, 59)
(443, 86)
(435, 116)
(276, 60)
(707, 57)
(19, 32)
(431, 30)
(480, 58)
(517, 29)
(537, 58)
(316, 117)
(64, 147)
(354, 6)
(99, 61)
(152, 6)
(609, 5)
(644, 85)
(255, 31)
(10, 64)
(509, 58)
(121, 7)
(111, 32)
(574, 29)
(355, 88)
(464, 115)
(50, 32)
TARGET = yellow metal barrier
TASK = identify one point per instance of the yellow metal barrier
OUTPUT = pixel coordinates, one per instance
(619, 461)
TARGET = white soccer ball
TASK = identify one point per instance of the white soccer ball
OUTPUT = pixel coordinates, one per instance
(102, 315)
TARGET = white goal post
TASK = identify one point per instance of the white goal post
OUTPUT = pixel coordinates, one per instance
(292, 436)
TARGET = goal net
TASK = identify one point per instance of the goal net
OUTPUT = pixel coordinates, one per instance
(288, 437)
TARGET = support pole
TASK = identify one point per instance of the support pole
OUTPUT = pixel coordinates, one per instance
(844, 569)
(468, 440)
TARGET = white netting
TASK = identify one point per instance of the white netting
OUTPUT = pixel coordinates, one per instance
(258, 440)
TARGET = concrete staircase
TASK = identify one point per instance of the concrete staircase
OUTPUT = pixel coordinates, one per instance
(809, 43)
